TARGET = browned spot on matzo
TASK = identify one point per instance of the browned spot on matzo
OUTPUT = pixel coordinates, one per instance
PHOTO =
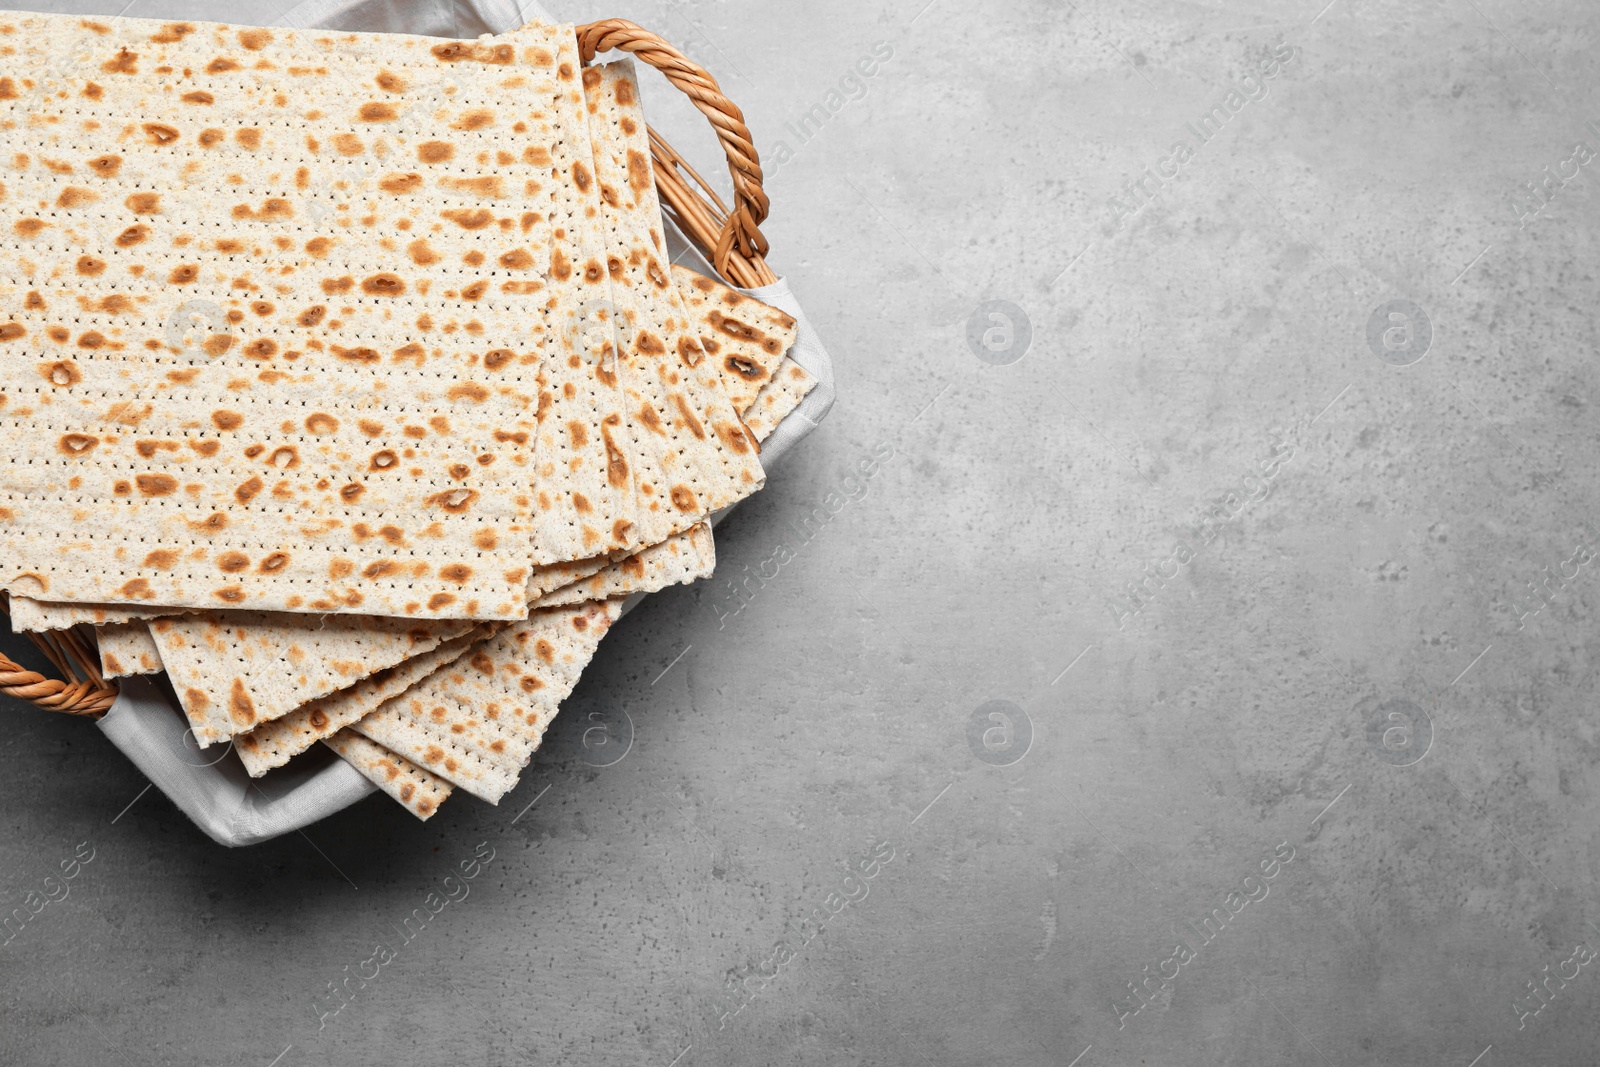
(435, 151)
(384, 283)
(124, 62)
(475, 119)
(401, 183)
(77, 444)
(454, 500)
(171, 32)
(240, 706)
(488, 185)
(62, 373)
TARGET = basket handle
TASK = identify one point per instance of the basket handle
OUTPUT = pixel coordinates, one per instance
(87, 693)
(732, 240)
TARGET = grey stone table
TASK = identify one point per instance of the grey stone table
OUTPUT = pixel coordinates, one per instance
(1178, 646)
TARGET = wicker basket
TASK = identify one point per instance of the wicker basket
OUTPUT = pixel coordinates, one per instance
(730, 240)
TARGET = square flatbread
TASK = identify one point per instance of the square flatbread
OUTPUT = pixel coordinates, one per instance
(681, 558)
(477, 722)
(273, 743)
(277, 312)
(234, 671)
(780, 395)
(683, 447)
(418, 790)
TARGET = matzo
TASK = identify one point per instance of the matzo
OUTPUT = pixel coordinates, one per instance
(679, 559)
(477, 722)
(269, 663)
(253, 416)
(272, 643)
(691, 453)
(273, 743)
(417, 789)
(35, 616)
(744, 337)
(778, 397)
(127, 649)
(235, 671)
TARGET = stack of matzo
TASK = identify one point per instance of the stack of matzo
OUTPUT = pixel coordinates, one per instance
(345, 378)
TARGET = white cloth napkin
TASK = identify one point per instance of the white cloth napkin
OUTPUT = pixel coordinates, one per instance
(211, 785)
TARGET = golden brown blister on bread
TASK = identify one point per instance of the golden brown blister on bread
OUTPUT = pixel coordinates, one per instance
(252, 327)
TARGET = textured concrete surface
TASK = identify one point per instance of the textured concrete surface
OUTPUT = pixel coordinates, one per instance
(1344, 712)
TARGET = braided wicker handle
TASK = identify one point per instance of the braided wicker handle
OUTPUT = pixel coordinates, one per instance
(731, 240)
(74, 657)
